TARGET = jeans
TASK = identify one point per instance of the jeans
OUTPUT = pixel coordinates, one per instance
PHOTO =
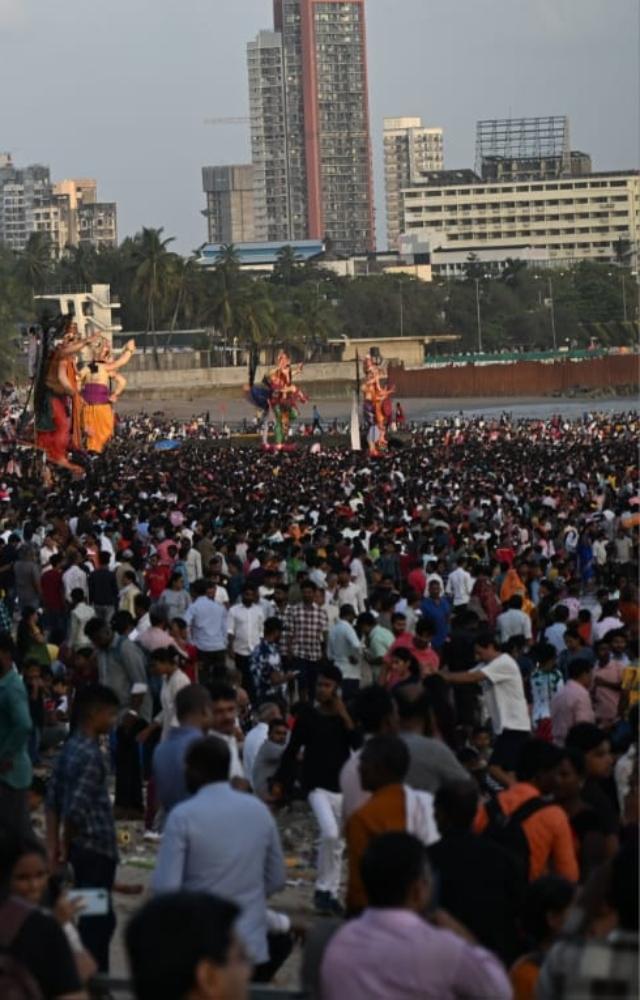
(243, 666)
(327, 809)
(93, 870)
(308, 672)
(350, 688)
(212, 666)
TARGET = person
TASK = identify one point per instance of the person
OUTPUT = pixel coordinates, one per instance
(375, 713)
(257, 735)
(80, 826)
(589, 966)
(431, 762)
(194, 712)
(513, 621)
(327, 734)
(52, 598)
(479, 882)
(245, 626)
(437, 609)
(555, 633)
(377, 641)
(184, 944)
(80, 615)
(207, 621)
(121, 663)
(460, 585)
(223, 842)
(33, 939)
(607, 683)
(164, 663)
(103, 589)
(401, 669)
(27, 579)
(545, 681)
(128, 801)
(505, 700)
(174, 600)
(224, 724)
(390, 950)
(268, 758)
(546, 827)
(597, 788)
(344, 649)
(16, 770)
(305, 632)
(587, 826)
(99, 397)
(572, 703)
(384, 762)
(544, 911)
(266, 666)
(30, 881)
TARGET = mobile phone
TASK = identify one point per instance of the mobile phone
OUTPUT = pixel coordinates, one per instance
(95, 901)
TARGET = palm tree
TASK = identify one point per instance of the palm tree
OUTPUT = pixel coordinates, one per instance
(227, 292)
(256, 318)
(35, 262)
(512, 271)
(287, 267)
(186, 285)
(317, 319)
(153, 268)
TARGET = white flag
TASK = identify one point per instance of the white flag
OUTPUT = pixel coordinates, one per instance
(355, 425)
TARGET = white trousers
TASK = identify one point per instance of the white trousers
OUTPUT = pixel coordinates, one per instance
(327, 809)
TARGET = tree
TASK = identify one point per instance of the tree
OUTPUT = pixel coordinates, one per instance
(512, 271)
(35, 263)
(186, 286)
(227, 292)
(154, 263)
(288, 269)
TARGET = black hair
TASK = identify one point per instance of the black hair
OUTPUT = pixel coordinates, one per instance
(578, 667)
(575, 758)
(585, 736)
(331, 673)
(346, 610)
(371, 707)
(207, 760)
(222, 692)
(536, 757)
(388, 754)
(190, 699)
(485, 639)
(624, 887)
(458, 800)
(390, 865)
(515, 602)
(171, 934)
(91, 697)
(272, 625)
(94, 626)
(277, 723)
(121, 621)
(549, 894)
(7, 644)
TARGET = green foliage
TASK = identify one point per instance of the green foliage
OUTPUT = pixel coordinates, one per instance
(301, 305)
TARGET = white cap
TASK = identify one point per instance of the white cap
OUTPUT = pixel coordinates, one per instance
(139, 688)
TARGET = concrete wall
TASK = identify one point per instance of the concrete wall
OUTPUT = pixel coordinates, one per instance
(522, 378)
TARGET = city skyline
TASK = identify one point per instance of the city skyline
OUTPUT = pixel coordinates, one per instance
(134, 114)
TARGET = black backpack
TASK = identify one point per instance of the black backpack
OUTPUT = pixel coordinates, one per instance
(507, 832)
(16, 982)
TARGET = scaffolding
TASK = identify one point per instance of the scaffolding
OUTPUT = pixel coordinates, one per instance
(531, 140)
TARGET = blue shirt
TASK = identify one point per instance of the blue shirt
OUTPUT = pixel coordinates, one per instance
(15, 727)
(225, 842)
(439, 615)
(78, 794)
(168, 765)
(207, 621)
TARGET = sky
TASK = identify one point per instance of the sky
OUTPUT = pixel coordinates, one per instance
(119, 89)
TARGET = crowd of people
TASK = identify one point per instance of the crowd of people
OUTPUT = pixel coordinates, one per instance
(436, 650)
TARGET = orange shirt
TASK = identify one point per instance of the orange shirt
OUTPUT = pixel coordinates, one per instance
(548, 833)
(383, 812)
(524, 975)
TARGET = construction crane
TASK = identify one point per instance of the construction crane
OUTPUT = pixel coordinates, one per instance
(226, 121)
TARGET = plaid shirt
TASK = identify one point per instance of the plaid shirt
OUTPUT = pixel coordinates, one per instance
(5, 618)
(591, 970)
(305, 627)
(265, 661)
(77, 793)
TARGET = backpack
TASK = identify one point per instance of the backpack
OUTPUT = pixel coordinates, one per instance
(507, 832)
(16, 982)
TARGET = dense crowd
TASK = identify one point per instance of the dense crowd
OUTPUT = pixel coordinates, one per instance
(436, 650)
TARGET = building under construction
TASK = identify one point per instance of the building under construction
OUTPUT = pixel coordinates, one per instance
(521, 149)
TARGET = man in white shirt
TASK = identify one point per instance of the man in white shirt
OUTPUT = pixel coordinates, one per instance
(75, 578)
(348, 593)
(514, 621)
(460, 585)
(505, 701)
(245, 625)
(193, 562)
(257, 736)
(345, 649)
(225, 727)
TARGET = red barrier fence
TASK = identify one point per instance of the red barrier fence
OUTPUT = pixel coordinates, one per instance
(519, 378)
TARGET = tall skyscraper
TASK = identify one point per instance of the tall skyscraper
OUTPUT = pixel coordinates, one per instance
(310, 125)
(410, 150)
(229, 211)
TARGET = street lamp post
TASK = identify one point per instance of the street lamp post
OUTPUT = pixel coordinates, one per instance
(552, 310)
(401, 310)
(479, 318)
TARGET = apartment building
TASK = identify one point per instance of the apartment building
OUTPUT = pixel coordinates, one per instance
(230, 203)
(570, 218)
(410, 149)
(98, 225)
(310, 136)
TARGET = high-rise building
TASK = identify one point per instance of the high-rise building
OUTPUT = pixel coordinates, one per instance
(410, 149)
(230, 203)
(310, 135)
(66, 211)
(527, 149)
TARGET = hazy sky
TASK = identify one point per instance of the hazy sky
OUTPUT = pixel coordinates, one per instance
(118, 89)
